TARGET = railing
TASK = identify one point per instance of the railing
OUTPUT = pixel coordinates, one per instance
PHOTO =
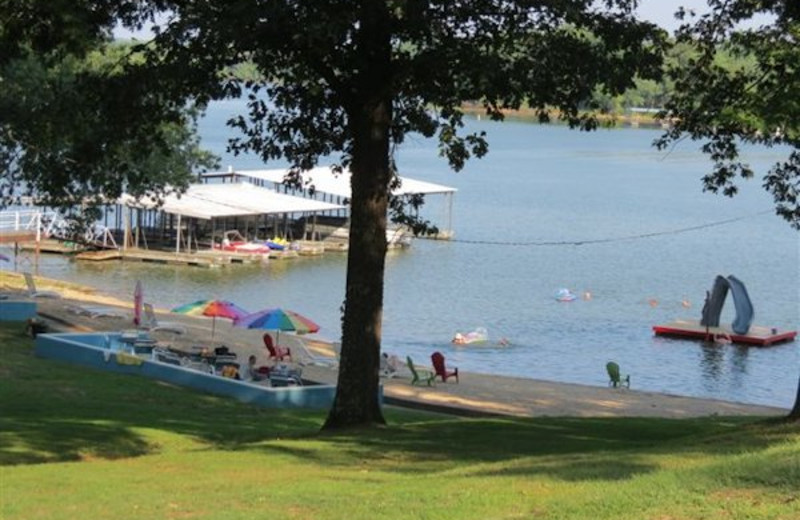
(40, 222)
(21, 221)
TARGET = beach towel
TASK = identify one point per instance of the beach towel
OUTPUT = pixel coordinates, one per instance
(124, 358)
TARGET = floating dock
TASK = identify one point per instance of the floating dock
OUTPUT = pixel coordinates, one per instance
(9, 236)
(199, 259)
(759, 336)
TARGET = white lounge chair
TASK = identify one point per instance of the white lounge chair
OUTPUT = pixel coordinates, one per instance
(151, 323)
(390, 366)
(304, 355)
(96, 311)
(33, 293)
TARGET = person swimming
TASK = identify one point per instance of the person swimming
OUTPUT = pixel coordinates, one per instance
(459, 339)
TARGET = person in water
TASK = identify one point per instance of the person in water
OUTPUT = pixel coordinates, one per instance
(459, 339)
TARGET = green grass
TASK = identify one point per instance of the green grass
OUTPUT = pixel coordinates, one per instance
(81, 444)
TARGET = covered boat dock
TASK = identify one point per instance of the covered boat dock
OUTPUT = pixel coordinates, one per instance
(323, 183)
(198, 219)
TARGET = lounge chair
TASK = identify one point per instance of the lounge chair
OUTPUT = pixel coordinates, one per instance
(151, 323)
(276, 352)
(283, 375)
(303, 355)
(96, 311)
(163, 355)
(419, 375)
(389, 366)
(33, 293)
(439, 367)
(614, 377)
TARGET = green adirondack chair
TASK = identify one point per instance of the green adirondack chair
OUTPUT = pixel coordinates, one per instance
(614, 377)
(419, 375)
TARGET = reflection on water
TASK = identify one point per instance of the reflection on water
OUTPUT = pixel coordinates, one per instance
(723, 365)
(739, 355)
(711, 361)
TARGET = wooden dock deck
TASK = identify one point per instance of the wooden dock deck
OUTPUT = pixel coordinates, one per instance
(49, 245)
(9, 236)
(152, 256)
(757, 335)
(202, 258)
(98, 256)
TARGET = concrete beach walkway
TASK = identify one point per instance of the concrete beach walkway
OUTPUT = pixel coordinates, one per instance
(476, 394)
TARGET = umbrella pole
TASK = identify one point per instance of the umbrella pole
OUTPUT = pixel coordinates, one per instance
(213, 326)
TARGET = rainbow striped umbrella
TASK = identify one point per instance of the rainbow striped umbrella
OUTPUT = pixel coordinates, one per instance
(212, 309)
(277, 319)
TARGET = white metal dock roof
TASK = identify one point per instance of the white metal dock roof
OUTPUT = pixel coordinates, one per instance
(207, 201)
(325, 180)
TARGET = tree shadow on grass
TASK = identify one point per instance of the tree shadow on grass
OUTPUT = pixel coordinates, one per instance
(54, 411)
(576, 468)
(60, 440)
(566, 448)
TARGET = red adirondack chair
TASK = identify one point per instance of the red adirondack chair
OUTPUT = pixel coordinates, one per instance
(276, 352)
(438, 366)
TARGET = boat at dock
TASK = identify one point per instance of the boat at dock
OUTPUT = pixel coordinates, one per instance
(233, 241)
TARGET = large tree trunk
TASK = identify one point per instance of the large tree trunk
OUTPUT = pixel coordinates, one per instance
(795, 413)
(357, 402)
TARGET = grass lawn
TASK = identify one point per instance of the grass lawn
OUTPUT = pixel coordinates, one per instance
(76, 443)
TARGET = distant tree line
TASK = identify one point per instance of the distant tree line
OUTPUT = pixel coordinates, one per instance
(649, 94)
(654, 94)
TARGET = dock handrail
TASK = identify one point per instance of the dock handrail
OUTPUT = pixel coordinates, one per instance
(21, 220)
(42, 222)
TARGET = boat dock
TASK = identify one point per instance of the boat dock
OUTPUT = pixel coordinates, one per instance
(203, 258)
(194, 228)
(758, 336)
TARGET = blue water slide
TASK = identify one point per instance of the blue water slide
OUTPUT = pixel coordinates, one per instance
(714, 302)
(744, 308)
(716, 299)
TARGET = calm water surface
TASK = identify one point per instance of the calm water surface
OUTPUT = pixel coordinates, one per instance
(648, 232)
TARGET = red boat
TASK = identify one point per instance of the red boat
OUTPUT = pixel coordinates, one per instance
(235, 243)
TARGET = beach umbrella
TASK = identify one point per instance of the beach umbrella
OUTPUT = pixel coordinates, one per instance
(138, 298)
(213, 309)
(278, 320)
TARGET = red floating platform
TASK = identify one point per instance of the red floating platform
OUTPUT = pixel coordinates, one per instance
(760, 336)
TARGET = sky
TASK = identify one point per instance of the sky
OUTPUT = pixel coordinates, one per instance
(658, 11)
(661, 12)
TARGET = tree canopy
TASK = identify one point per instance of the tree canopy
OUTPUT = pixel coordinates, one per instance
(728, 104)
(73, 130)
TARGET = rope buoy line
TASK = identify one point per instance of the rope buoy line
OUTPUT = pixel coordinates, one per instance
(611, 239)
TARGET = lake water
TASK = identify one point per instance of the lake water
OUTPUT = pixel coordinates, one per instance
(648, 232)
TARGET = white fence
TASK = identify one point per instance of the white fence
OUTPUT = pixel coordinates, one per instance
(23, 221)
(50, 224)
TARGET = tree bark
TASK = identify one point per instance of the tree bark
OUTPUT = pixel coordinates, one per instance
(357, 401)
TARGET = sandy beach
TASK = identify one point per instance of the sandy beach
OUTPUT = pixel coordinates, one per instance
(475, 394)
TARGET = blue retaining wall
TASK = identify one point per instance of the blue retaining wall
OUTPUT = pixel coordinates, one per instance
(13, 310)
(89, 349)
